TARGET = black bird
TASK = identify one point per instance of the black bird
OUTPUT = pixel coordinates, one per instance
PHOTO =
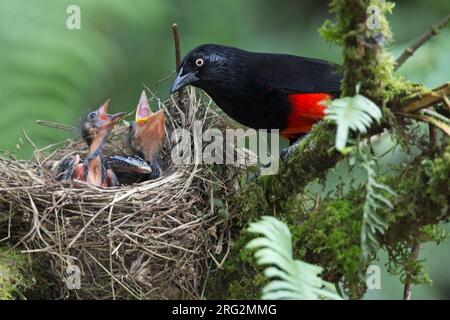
(262, 90)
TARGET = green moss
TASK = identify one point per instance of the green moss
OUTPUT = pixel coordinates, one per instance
(310, 161)
(251, 203)
(15, 276)
(240, 277)
(421, 204)
(330, 237)
(423, 197)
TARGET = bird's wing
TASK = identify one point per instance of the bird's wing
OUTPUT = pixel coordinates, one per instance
(79, 172)
(66, 168)
(128, 164)
(111, 179)
(291, 74)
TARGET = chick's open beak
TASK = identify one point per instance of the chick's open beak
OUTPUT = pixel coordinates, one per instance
(143, 110)
(103, 110)
(106, 119)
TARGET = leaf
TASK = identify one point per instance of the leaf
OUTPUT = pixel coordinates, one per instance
(291, 279)
(372, 222)
(356, 113)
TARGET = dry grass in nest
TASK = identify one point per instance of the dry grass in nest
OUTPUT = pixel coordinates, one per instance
(153, 240)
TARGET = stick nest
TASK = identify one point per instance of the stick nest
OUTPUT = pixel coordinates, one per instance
(152, 240)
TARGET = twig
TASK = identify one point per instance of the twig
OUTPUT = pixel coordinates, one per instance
(425, 100)
(430, 120)
(446, 101)
(176, 38)
(110, 250)
(55, 125)
(434, 137)
(113, 277)
(9, 224)
(434, 30)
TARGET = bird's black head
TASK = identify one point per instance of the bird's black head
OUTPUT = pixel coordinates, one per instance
(205, 65)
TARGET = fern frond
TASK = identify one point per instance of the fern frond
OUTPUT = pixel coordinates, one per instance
(356, 113)
(372, 222)
(291, 279)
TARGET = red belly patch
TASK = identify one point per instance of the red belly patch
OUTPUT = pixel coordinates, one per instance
(307, 109)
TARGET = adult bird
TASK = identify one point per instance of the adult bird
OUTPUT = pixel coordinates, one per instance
(145, 138)
(94, 169)
(262, 90)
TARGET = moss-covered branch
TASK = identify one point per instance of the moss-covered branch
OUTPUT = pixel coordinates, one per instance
(311, 160)
(329, 234)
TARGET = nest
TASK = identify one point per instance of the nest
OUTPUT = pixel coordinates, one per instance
(152, 240)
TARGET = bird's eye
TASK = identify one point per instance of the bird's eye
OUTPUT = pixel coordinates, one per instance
(132, 127)
(199, 62)
(92, 116)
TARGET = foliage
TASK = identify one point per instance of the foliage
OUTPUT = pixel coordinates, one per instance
(296, 279)
(337, 231)
(372, 222)
(15, 276)
(355, 113)
(51, 73)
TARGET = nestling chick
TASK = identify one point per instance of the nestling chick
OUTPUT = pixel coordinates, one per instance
(95, 129)
(146, 135)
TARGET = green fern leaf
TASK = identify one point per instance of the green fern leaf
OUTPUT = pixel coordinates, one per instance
(356, 113)
(291, 279)
(372, 222)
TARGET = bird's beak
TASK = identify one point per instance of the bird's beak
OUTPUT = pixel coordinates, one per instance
(183, 80)
(143, 110)
(103, 110)
(105, 118)
(116, 117)
(150, 127)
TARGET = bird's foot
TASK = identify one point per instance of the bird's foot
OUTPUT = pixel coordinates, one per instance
(287, 152)
(256, 172)
(253, 176)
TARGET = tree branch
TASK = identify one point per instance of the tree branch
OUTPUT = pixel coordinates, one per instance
(181, 96)
(176, 39)
(407, 293)
(433, 31)
(425, 100)
(51, 124)
(281, 194)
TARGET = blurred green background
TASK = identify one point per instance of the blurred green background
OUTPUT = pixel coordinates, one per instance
(50, 72)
